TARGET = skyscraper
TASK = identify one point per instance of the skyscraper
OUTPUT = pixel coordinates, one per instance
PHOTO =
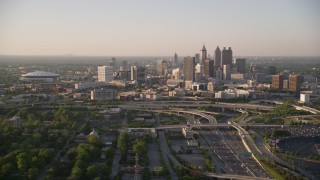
(272, 70)
(226, 72)
(277, 82)
(226, 58)
(197, 58)
(188, 68)
(175, 60)
(241, 65)
(295, 82)
(113, 61)
(161, 67)
(217, 58)
(209, 68)
(134, 73)
(203, 54)
(176, 73)
(105, 73)
(219, 74)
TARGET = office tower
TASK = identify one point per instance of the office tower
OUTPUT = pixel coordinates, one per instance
(188, 68)
(240, 64)
(197, 57)
(210, 86)
(219, 74)
(285, 84)
(217, 58)
(209, 68)
(260, 77)
(176, 73)
(226, 72)
(113, 61)
(203, 54)
(277, 82)
(161, 67)
(105, 73)
(199, 69)
(134, 73)
(226, 57)
(251, 67)
(175, 60)
(295, 83)
(124, 66)
(271, 70)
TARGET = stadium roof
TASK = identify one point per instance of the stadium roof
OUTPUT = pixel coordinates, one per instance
(40, 74)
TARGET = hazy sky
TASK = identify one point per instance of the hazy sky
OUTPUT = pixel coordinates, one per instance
(159, 27)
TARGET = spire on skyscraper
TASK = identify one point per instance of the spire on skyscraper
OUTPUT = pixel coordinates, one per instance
(204, 48)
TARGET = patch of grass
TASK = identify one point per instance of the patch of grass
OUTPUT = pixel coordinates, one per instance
(272, 172)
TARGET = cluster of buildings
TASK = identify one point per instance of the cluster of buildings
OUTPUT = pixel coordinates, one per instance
(219, 76)
(290, 83)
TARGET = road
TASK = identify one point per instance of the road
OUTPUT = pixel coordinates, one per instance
(216, 125)
(166, 153)
(117, 156)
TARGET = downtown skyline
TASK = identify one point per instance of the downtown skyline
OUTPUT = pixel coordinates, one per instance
(142, 28)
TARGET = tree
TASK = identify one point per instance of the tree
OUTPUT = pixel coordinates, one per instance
(6, 170)
(122, 142)
(93, 171)
(76, 172)
(139, 146)
(32, 173)
(94, 140)
(22, 162)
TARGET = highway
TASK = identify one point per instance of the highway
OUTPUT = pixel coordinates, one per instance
(228, 147)
(215, 125)
(306, 108)
(166, 153)
(167, 104)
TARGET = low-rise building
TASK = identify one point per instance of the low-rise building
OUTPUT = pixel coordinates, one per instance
(305, 98)
(140, 132)
(15, 121)
(103, 94)
(187, 132)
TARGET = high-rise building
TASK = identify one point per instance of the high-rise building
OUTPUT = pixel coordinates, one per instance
(226, 57)
(209, 68)
(295, 82)
(271, 70)
(210, 86)
(285, 84)
(277, 82)
(217, 58)
(175, 60)
(226, 72)
(260, 77)
(176, 73)
(161, 67)
(113, 61)
(105, 73)
(134, 73)
(219, 74)
(188, 68)
(199, 69)
(203, 54)
(240, 64)
(197, 58)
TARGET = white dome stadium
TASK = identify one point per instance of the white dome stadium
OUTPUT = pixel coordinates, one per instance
(40, 74)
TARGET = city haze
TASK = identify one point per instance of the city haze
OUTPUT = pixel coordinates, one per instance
(159, 28)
